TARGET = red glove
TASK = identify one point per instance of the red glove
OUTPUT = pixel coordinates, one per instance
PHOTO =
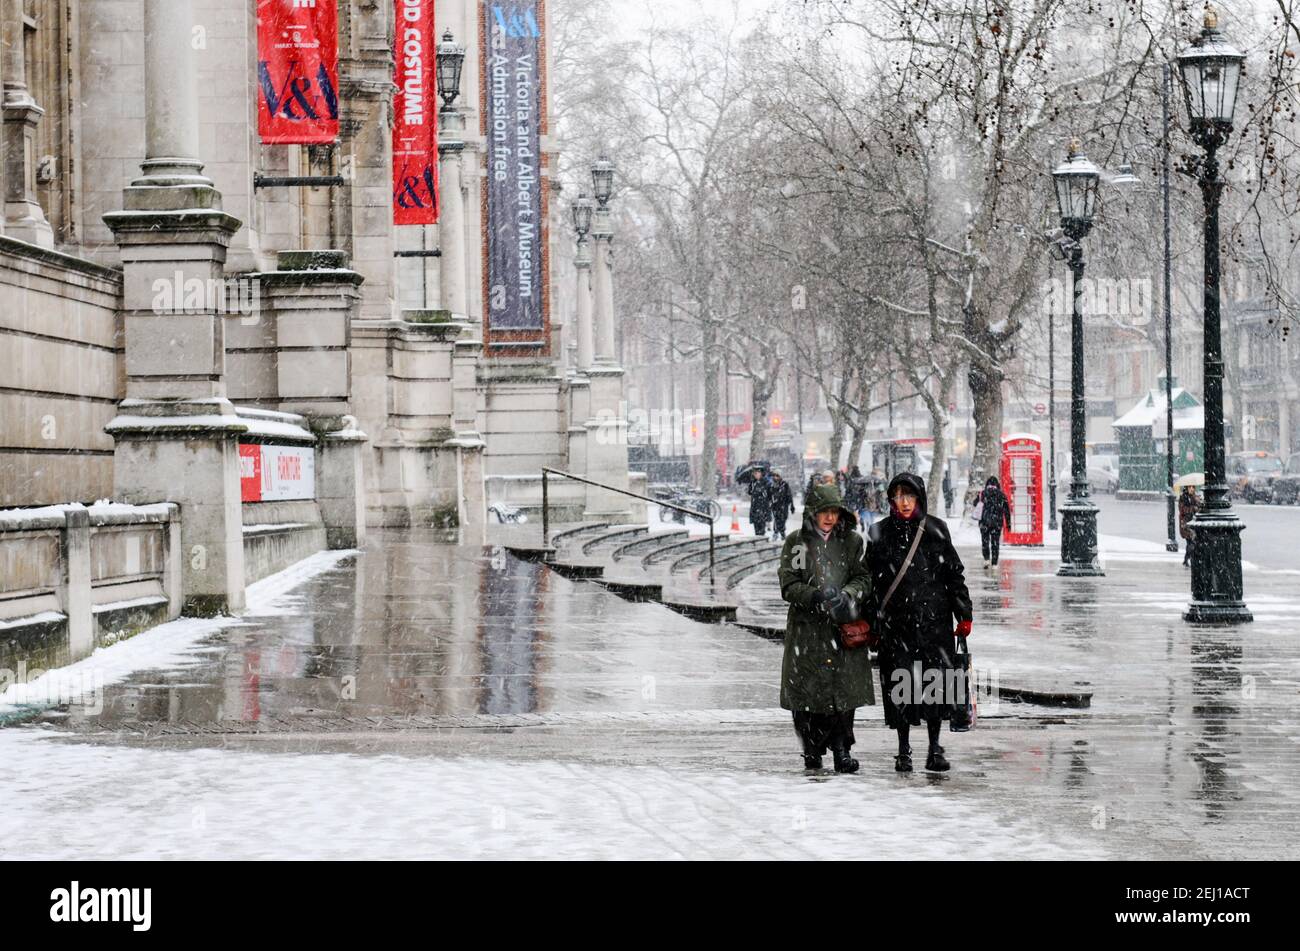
(963, 628)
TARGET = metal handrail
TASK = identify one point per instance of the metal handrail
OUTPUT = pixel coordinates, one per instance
(546, 512)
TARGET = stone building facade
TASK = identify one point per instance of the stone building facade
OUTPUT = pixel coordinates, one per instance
(168, 299)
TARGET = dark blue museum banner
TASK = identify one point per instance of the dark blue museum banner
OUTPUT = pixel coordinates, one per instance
(514, 245)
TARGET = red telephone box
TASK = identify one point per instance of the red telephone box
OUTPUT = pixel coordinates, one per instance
(1022, 481)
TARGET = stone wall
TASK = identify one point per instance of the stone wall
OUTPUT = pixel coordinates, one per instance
(74, 578)
(60, 376)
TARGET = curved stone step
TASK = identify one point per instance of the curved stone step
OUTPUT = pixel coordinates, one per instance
(728, 546)
(722, 563)
(740, 572)
(536, 552)
(770, 630)
(577, 569)
(665, 552)
(633, 589)
(570, 533)
(622, 534)
(644, 544)
(700, 609)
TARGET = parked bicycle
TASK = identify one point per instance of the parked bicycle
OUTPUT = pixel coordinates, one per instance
(687, 497)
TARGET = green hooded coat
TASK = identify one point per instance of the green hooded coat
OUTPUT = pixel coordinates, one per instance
(817, 674)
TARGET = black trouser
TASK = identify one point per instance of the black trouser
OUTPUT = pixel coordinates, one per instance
(778, 526)
(820, 731)
(1191, 543)
(990, 540)
(760, 527)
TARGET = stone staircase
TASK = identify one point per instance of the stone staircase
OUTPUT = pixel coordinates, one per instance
(671, 567)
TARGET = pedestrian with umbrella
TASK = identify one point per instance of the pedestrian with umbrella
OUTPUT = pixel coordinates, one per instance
(1189, 503)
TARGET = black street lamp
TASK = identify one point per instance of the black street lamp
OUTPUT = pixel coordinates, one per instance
(1051, 418)
(1126, 178)
(1211, 72)
(1076, 182)
(451, 60)
(582, 210)
(602, 180)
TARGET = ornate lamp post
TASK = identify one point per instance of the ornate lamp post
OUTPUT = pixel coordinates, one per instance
(451, 60)
(451, 213)
(1076, 182)
(1211, 72)
(1127, 179)
(602, 277)
(582, 210)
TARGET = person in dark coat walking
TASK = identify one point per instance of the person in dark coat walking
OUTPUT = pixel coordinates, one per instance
(996, 513)
(782, 504)
(916, 626)
(824, 579)
(1189, 503)
(855, 494)
(760, 503)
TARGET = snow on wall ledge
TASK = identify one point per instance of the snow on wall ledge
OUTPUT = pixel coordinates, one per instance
(74, 577)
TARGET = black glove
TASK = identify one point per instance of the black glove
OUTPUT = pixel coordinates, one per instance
(827, 593)
(842, 608)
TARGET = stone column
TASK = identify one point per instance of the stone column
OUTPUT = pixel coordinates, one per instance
(314, 296)
(606, 440)
(467, 441)
(176, 433)
(451, 216)
(23, 217)
(603, 286)
(586, 336)
(341, 487)
(366, 145)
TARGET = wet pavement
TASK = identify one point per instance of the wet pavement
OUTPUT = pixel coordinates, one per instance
(495, 687)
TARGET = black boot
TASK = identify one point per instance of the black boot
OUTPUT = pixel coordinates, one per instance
(903, 763)
(812, 762)
(844, 763)
(935, 761)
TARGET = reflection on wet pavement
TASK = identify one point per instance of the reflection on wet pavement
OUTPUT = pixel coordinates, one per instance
(417, 628)
(1190, 746)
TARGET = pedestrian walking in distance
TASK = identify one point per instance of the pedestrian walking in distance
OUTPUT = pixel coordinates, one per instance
(824, 579)
(995, 512)
(918, 587)
(855, 494)
(1189, 503)
(782, 504)
(760, 503)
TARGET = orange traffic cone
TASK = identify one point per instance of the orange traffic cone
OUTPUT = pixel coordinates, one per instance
(735, 521)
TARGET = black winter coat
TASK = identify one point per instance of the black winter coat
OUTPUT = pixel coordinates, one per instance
(782, 501)
(760, 501)
(997, 509)
(919, 622)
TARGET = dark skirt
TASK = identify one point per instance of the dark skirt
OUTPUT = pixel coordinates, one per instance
(918, 684)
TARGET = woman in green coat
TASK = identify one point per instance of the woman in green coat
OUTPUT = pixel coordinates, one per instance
(824, 580)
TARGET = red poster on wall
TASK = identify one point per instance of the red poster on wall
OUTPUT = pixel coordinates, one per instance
(415, 115)
(297, 71)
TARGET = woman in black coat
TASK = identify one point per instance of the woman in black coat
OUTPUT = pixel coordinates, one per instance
(995, 514)
(917, 623)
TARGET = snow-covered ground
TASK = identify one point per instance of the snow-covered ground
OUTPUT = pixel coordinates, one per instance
(77, 800)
